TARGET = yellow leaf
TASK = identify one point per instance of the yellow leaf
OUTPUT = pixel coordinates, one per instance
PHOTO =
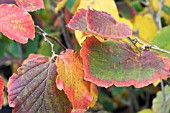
(155, 5)
(145, 111)
(156, 83)
(167, 3)
(79, 36)
(108, 6)
(75, 6)
(146, 26)
(60, 5)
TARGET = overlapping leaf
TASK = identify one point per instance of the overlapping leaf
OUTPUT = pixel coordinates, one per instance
(1, 92)
(34, 89)
(81, 94)
(157, 104)
(113, 62)
(16, 24)
(30, 5)
(99, 23)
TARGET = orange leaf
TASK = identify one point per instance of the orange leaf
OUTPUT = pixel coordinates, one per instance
(16, 24)
(70, 79)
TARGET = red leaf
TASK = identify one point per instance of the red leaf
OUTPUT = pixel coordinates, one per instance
(1, 92)
(7, 2)
(70, 79)
(78, 22)
(16, 24)
(30, 5)
(115, 63)
(34, 89)
(99, 23)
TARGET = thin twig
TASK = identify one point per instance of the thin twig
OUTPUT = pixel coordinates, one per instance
(166, 82)
(134, 44)
(63, 27)
(164, 97)
(159, 49)
(48, 36)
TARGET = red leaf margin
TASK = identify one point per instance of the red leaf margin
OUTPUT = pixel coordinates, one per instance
(1, 92)
(105, 83)
(16, 24)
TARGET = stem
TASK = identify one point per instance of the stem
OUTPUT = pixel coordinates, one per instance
(63, 27)
(166, 82)
(134, 44)
(44, 34)
(164, 97)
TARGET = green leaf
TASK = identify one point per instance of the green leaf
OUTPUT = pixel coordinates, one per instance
(32, 46)
(15, 49)
(45, 48)
(162, 40)
(115, 63)
(34, 89)
(157, 104)
(2, 47)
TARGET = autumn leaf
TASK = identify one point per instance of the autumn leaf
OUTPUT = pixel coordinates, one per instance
(30, 5)
(7, 2)
(16, 24)
(108, 6)
(157, 103)
(99, 6)
(115, 63)
(60, 5)
(140, 23)
(99, 23)
(1, 92)
(81, 93)
(34, 89)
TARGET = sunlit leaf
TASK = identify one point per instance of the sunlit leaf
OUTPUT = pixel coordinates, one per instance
(115, 63)
(162, 40)
(34, 89)
(108, 6)
(140, 23)
(70, 79)
(1, 92)
(16, 24)
(99, 23)
(155, 5)
(30, 5)
(60, 5)
(145, 111)
(157, 103)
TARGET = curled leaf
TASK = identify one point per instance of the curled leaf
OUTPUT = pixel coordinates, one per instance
(16, 24)
(81, 93)
(34, 89)
(99, 23)
(115, 63)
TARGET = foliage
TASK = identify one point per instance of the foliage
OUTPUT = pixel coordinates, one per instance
(71, 78)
